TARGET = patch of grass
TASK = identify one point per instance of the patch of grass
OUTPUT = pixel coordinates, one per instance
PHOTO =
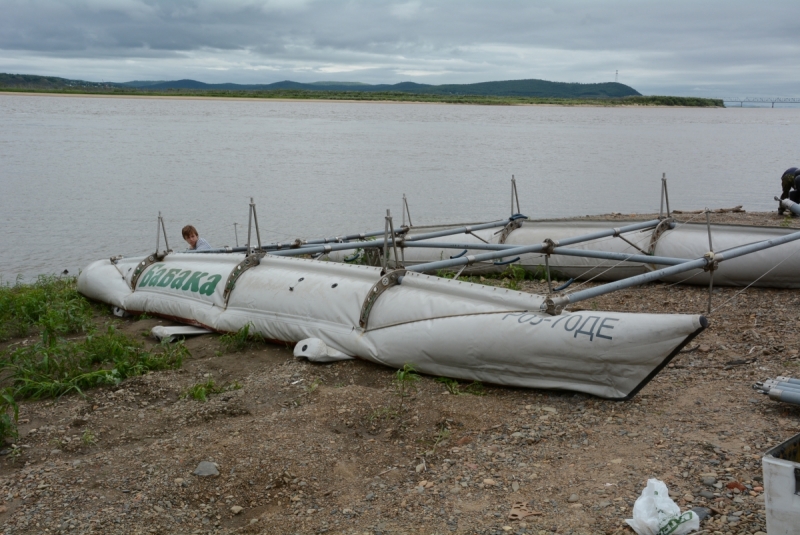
(88, 437)
(51, 306)
(314, 385)
(475, 388)
(454, 387)
(450, 384)
(9, 415)
(787, 220)
(240, 340)
(383, 413)
(52, 368)
(201, 391)
(405, 380)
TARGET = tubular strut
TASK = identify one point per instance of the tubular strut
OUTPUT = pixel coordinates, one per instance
(253, 217)
(664, 197)
(406, 211)
(514, 196)
(155, 257)
(713, 264)
(251, 259)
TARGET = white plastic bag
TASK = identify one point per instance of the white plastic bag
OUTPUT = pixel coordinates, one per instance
(654, 513)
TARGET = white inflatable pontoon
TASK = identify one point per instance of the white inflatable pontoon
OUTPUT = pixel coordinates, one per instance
(442, 326)
(778, 267)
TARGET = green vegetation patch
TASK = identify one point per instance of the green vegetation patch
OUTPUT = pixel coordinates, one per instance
(201, 391)
(51, 306)
(54, 366)
(240, 340)
(52, 369)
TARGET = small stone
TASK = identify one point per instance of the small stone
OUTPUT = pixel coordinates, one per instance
(701, 512)
(455, 490)
(709, 481)
(236, 509)
(158, 509)
(370, 496)
(516, 435)
(707, 494)
(615, 461)
(573, 498)
(515, 486)
(179, 481)
(55, 452)
(205, 469)
(603, 504)
(489, 482)
(420, 467)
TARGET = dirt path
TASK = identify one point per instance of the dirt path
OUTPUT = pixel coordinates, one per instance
(304, 448)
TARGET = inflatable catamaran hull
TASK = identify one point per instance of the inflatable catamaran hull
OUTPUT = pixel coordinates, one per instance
(775, 268)
(444, 327)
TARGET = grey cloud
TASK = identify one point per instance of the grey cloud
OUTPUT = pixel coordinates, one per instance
(677, 44)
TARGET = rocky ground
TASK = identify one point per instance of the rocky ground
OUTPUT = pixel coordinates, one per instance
(305, 448)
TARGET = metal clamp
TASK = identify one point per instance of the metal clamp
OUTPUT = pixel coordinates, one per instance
(712, 264)
(250, 261)
(387, 281)
(510, 227)
(661, 228)
(144, 264)
(549, 245)
(552, 307)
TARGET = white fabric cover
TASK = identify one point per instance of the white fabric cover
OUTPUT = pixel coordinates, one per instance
(441, 326)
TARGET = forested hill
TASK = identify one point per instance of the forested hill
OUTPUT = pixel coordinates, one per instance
(509, 88)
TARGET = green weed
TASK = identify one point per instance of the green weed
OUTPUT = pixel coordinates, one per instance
(405, 380)
(475, 388)
(52, 368)
(240, 340)
(9, 415)
(787, 221)
(88, 438)
(51, 306)
(450, 384)
(201, 391)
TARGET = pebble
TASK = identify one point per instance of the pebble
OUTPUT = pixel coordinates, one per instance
(573, 498)
(205, 469)
(515, 486)
(236, 509)
(370, 496)
(709, 481)
(707, 494)
(420, 467)
(489, 482)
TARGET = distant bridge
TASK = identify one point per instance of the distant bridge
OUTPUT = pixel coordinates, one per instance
(772, 101)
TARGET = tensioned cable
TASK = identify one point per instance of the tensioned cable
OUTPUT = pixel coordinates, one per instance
(734, 296)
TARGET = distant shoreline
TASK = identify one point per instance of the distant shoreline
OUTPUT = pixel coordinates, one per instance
(406, 99)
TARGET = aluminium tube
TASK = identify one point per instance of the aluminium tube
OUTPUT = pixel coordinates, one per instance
(789, 205)
(770, 384)
(734, 252)
(379, 242)
(785, 379)
(587, 253)
(785, 396)
(516, 251)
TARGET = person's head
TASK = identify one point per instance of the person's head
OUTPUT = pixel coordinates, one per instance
(190, 235)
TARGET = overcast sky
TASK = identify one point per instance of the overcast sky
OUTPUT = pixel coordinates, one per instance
(706, 48)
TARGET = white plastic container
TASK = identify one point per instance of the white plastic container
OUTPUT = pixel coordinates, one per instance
(781, 467)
